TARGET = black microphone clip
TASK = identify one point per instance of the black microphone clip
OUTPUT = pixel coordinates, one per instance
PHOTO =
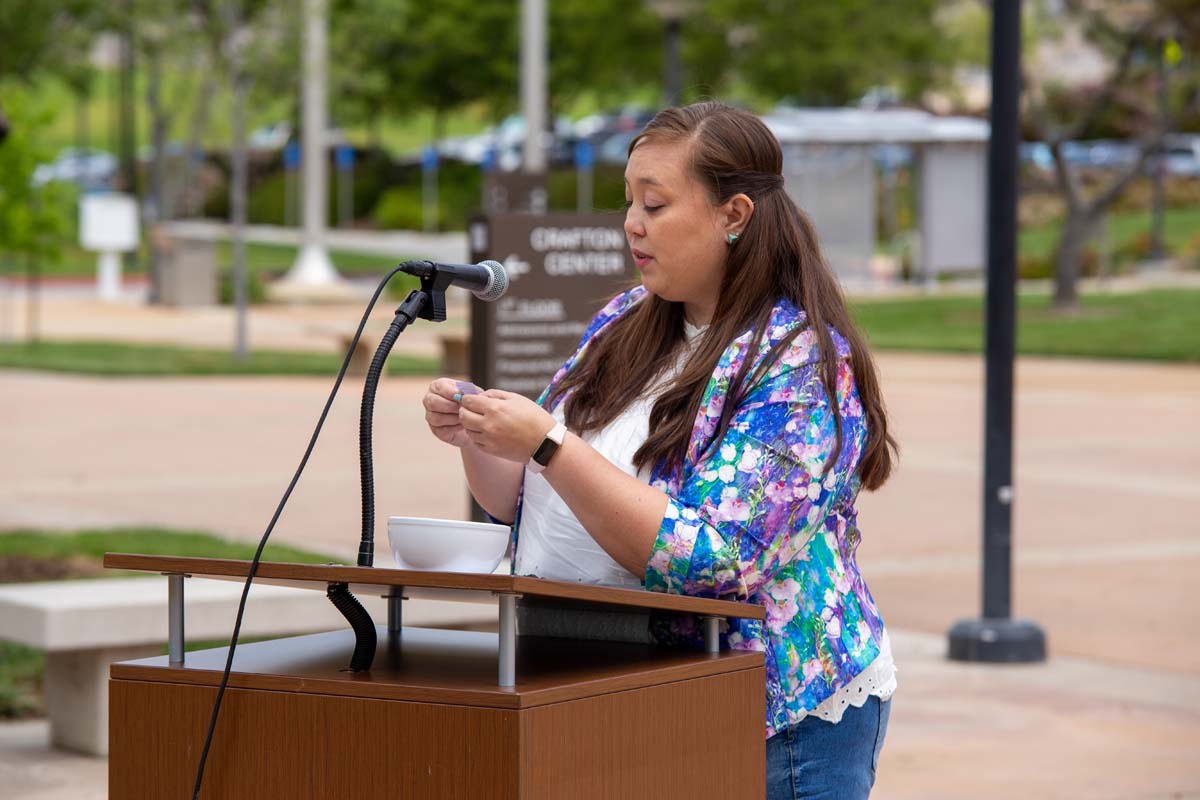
(434, 283)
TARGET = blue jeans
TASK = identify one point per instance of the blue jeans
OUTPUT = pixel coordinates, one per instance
(823, 761)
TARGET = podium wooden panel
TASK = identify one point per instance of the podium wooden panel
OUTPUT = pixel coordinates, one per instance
(586, 719)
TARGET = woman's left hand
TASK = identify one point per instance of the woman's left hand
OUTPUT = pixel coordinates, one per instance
(504, 424)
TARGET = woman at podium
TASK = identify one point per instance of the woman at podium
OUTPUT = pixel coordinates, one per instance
(709, 437)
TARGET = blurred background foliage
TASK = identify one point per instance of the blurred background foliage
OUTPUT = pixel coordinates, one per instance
(406, 74)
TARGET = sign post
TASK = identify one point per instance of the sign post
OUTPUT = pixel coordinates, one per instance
(429, 188)
(108, 224)
(344, 161)
(585, 165)
(291, 166)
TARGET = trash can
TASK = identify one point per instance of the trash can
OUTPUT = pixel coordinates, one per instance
(188, 271)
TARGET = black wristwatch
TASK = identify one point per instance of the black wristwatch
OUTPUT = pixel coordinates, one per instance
(547, 449)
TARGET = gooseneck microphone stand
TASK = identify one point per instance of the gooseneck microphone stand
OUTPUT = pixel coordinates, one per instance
(428, 302)
(365, 639)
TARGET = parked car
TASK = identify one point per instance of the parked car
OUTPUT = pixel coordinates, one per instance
(270, 137)
(1111, 153)
(506, 144)
(610, 132)
(1037, 155)
(86, 167)
(276, 135)
(1183, 155)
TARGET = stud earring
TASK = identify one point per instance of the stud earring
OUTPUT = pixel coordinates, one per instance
(730, 238)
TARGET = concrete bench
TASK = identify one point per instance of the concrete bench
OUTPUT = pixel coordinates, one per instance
(364, 351)
(84, 626)
(456, 354)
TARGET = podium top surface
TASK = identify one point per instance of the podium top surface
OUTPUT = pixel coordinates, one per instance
(440, 585)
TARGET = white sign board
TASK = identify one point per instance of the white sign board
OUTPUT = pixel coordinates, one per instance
(108, 223)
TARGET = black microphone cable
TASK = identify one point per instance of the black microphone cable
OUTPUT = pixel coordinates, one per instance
(237, 625)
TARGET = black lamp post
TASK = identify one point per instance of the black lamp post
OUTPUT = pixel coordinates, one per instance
(996, 637)
(672, 13)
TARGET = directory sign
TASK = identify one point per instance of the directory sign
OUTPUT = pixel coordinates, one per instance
(562, 269)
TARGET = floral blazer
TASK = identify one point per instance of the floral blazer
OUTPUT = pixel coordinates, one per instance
(753, 519)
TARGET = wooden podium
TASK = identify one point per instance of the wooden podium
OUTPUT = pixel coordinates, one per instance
(441, 713)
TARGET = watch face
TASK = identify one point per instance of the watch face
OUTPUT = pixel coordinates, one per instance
(545, 451)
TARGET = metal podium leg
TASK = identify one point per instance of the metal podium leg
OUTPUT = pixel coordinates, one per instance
(394, 599)
(712, 635)
(175, 619)
(508, 640)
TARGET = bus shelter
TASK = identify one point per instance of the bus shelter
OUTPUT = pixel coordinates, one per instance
(835, 161)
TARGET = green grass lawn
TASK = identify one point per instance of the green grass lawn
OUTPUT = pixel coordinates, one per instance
(277, 259)
(20, 675)
(1182, 225)
(79, 554)
(1156, 325)
(121, 359)
(93, 544)
(1162, 324)
(263, 259)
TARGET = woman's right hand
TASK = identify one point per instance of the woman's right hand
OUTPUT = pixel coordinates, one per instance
(441, 412)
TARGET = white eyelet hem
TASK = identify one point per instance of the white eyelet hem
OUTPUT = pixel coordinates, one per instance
(877, 680)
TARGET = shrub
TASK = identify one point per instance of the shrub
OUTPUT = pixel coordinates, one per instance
(1135, 248)
(1032, 268)
(256, 288)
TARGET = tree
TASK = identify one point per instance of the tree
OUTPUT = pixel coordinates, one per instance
(817, 53)
(399, 55)
(402, 55)
(41, 37)
(35, 221)
(608, 48)
(1132, 34)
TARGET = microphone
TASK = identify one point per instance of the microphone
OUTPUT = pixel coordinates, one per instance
(487, 280)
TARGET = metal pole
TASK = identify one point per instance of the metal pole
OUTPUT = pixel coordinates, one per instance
(237, 201)
(1158, 249)
(291, 162)
(395, 600)
(533, 82)
(585, 162)
(712, 635)
(345, 186)
(33, 299)
(672, 82)
(175, 619)
(153, 207)
(313, 266)
(996, 637)
(128, 123)
(429, 189)
(508, 640)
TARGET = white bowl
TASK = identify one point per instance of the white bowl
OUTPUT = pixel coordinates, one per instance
(446, 545)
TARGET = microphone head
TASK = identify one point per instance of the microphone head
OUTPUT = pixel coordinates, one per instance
(498, 285)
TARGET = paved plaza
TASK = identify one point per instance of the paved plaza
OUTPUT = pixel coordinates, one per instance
(1107, 498)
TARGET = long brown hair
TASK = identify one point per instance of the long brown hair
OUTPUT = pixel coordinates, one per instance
(732, 152)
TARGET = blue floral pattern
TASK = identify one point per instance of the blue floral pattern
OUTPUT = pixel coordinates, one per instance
(755, 517)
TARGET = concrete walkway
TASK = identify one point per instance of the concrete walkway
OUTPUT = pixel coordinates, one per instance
(1107, 499)
(1071, 728)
